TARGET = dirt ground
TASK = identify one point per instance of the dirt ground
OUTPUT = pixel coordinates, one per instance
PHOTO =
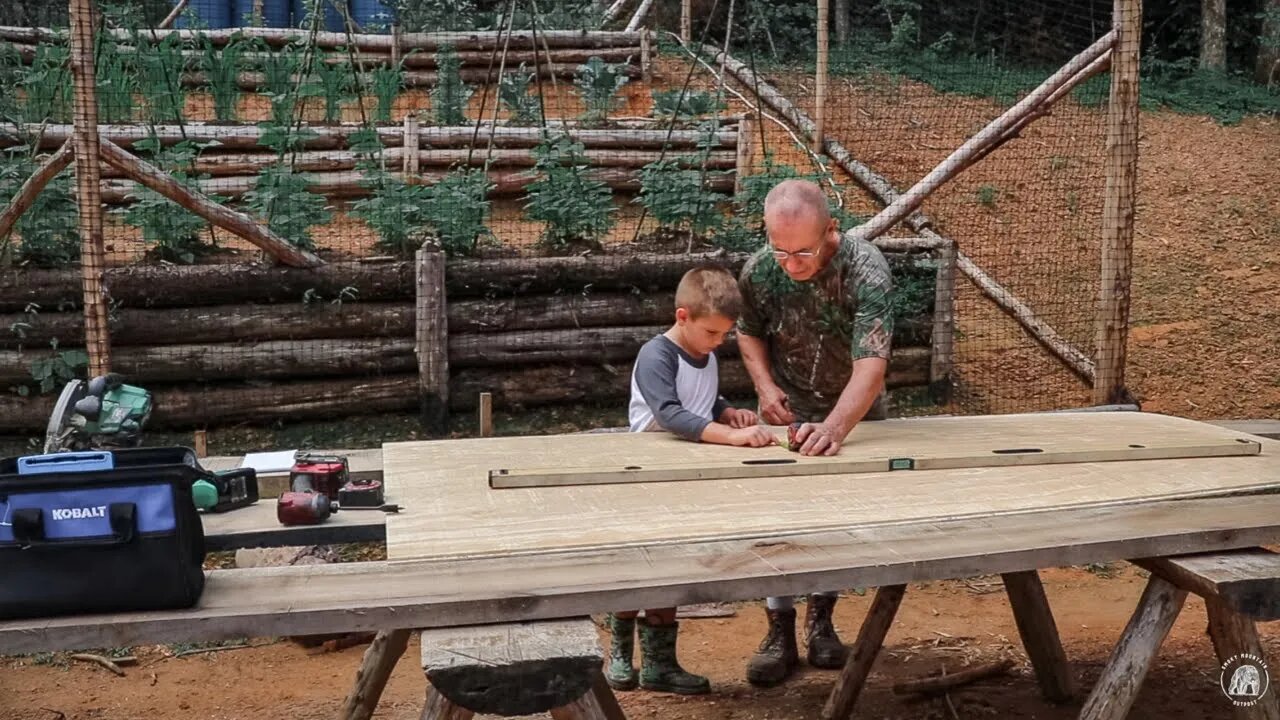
(949, 625)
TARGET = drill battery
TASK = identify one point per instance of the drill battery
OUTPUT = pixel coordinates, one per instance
(361, 494)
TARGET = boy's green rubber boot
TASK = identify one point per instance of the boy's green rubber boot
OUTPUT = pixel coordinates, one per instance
(620, 674)
(659, 669)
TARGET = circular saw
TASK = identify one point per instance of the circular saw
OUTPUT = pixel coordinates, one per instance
(100, 413)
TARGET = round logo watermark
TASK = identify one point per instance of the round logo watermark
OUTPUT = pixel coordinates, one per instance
(1244, 679)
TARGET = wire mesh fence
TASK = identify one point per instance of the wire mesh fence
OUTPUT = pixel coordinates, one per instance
(570, 174)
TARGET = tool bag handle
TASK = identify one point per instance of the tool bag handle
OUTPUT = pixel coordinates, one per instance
(28, 528)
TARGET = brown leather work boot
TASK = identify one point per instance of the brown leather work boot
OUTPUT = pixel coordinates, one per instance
(777, 657)
(825, 649)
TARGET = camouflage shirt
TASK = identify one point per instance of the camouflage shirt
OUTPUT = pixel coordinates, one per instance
(816, 329)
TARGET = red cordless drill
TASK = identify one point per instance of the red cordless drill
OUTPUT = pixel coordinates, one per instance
(314, 482)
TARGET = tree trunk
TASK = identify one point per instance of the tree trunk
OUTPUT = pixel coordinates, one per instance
(26, 195)
(256, 81)
(241, 361)
(544, 312)
(1213, 35)
(279, 37)
(240, 137)
(351, 184)
(646, 273)
(595, 345)
(219, 324)
(1267, 71)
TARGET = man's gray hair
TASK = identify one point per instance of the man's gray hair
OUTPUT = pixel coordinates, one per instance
(794, 199)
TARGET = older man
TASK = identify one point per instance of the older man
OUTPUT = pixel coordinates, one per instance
(815, 337)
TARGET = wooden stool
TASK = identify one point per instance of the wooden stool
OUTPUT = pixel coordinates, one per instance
(517, 669)
(1030, 611)
(1238, 587)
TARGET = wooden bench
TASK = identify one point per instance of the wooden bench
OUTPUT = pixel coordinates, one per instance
(516, 669)
(1238, 587)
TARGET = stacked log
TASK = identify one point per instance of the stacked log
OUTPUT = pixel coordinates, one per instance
(613, 156)
(238, 343)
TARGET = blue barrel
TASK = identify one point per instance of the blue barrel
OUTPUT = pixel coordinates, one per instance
(373, 15)
(212, 14)
(275, 13)
(331, 19)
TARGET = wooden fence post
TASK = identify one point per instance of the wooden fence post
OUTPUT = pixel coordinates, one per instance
(97, 338)
(943, 343)
(432, 339)
(1121, 168)
(746, 151)
(411, 150)
(820, 79)
(686, 21)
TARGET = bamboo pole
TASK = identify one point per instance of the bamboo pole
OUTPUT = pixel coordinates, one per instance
(1121, 170)
(222, 216)
(26, 194)
(820, 79)
(85, 142)
(963, 156)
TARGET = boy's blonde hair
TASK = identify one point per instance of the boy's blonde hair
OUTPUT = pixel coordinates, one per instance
(709, 290)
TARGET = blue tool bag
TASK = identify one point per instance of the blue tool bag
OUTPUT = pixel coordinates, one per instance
(98, 531)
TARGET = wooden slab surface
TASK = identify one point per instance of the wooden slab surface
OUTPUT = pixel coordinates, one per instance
(1246, 581)
(370, 596)
(456, 513)
(919, 444)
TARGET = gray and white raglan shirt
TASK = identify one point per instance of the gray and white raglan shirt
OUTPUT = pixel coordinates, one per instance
(672, 391)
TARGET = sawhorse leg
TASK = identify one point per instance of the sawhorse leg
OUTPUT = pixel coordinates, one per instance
(1039, 635)
(375, 669)
(865, 649)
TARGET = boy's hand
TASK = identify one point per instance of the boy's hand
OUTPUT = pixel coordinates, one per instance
(752, 436)
(739, 418)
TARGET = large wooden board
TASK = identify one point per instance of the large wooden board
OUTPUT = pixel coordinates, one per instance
(370, 596)
(921, 444)
(458, 515)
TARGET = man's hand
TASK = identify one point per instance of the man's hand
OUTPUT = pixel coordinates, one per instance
(739, 418)
(819, 439)
(775, 407)
(753, 436)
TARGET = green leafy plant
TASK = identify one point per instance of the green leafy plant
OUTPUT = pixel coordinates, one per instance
(221, 69)
(49, 229)
(335, 81)
(170, 229)
(388, 81)
(394, 210)
(575, 207)
(987, 195)
(674, 192)
(513, 93)
(280, 197)
(598, 84)
(669, 105)
(278, 71)
(450, 95)
(456, 209)
(57, 369)
(47, 85)
(160, 66)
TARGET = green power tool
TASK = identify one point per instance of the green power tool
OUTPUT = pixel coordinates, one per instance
(99, 414)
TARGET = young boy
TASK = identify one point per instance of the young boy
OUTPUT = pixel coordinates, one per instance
(675, 387)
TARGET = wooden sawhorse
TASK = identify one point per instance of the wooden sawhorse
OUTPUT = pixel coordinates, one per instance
(1239, 588)
(1030, 611)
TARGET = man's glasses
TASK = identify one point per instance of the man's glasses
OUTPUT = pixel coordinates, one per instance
(781, 255)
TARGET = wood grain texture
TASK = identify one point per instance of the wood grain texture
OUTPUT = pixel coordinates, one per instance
(1039, 635)
(514, 668)
(438, 707)
(1246, 581)
(1121, 679)
(424, 594)
(375, 669)
(599, 704)
(875, 627)
(459, 515)
(1234, 637)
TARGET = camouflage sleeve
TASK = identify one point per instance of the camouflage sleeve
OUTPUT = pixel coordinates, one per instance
(751, 322)
(873, 321)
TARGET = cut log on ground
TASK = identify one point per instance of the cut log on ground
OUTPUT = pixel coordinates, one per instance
(944, 683)
(352, 184)
(327, 137)
(224, 217)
